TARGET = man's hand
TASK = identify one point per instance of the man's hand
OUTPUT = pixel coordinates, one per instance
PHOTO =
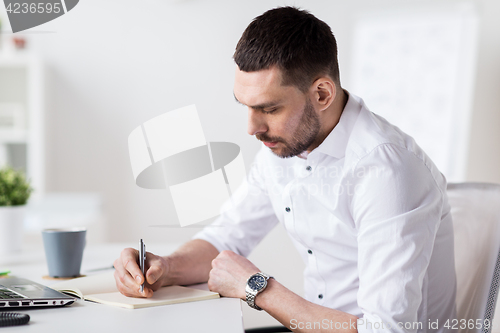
(128, 275)
(230, 273)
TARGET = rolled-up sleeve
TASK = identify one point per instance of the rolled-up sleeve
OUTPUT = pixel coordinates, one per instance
(242, 227)
(396, 207)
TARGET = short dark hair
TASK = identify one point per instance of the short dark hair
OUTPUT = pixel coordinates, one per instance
(295, 41)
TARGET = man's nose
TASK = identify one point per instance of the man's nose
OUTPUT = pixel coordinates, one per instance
(256, 123)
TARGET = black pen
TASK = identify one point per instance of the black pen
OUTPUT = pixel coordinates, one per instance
(142, 261)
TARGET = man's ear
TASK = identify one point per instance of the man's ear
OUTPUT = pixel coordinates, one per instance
(323, 92)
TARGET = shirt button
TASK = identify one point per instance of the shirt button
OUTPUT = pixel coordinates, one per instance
(287, 209)
(320, 296)
(309, 251)
(308, 168)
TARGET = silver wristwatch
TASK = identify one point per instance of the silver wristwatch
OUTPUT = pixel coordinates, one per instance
(255, 285)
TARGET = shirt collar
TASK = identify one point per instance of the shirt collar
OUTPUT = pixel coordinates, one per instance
(336, 142)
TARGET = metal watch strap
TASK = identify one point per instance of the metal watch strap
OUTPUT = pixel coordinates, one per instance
(251, 300)
(251, 294)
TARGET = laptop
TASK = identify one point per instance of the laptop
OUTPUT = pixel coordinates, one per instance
(17, 292)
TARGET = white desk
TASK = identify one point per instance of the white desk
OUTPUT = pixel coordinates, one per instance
(217, 315)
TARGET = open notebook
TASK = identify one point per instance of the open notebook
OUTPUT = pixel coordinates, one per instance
(101, 288)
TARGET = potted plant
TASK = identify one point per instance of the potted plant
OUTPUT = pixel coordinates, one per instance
(15, 191)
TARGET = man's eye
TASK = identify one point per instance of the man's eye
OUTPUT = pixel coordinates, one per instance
(269, 111)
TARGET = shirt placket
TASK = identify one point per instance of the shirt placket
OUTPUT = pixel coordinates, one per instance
(288, 216)
(301, 170)
(320, 282)
(292, 219)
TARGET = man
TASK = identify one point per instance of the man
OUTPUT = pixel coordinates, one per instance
(363, 204)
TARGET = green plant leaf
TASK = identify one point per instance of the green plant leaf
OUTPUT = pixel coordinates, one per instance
(15, 189)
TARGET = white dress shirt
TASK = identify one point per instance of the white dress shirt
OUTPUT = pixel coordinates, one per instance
(368, 212)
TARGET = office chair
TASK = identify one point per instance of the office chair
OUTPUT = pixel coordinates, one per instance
(475, 208)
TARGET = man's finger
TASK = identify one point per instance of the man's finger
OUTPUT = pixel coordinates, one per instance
(156, 267)
(129, 260)
(125, 278)
(153, 274)
(148, 292)
(123, 286)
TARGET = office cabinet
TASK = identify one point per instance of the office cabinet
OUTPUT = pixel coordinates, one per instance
(21, 116)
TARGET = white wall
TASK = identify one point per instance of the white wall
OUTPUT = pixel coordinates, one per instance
(116, 63)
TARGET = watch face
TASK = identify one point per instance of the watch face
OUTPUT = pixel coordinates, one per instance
(257, 282)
